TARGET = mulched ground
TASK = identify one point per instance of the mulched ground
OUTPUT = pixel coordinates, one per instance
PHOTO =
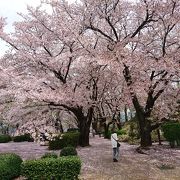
(159, 162)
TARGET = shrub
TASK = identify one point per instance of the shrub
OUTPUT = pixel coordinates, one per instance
(172, 133)
(154, 136)
(61, 168)
(165, 167)
(49, 155)
(129, 133)
(121, 132)
(67, 139)
(73, 130)
(124, 138)
(68, 151)
(107, 134)
(56, 143)
(5, 138)
(10, 166)
(71, 139)
(22, 138)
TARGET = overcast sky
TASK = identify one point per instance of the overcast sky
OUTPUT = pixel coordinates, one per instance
(9, 9)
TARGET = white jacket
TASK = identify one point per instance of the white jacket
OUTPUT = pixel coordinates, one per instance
(114, 140)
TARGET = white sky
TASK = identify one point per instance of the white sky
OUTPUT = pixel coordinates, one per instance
(9, 9)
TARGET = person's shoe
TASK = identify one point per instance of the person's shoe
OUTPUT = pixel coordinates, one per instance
(115, 160)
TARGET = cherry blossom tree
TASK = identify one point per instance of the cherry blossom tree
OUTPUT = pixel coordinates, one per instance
(144, 38)
(99, 53)
(49, 61)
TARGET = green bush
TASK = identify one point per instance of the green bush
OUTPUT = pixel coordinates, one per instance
(67, 139)
(64, 168)
(68, 151)
(172, 133)
(22, 138)
(154, 136)
(49, 155)
(107, 134)
(71, 139)
(121, 132)
(124, 138)
(73, 130)
(10, 166)
(129, 132)
(56, 143)
(5, 138)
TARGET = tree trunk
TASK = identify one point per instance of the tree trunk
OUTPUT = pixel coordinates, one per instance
(125, 113)
(84, 123)
(159, 136)
(106, 130)
(84, 129)
(145, 129)
(131, 114)
(144, 123)
(118, 125)
(95, 126)
(145, 133)
(145, 137)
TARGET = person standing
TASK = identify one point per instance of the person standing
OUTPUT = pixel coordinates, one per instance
(115, 147)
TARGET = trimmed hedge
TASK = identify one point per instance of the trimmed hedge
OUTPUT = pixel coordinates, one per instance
(68, 151)
(5, 138)
(61, 168)
(73, 130)
(67, 139)
(22, 138)
(49, 155)
(71, 139)
(10, 166)
(56, 144)
(172, 133)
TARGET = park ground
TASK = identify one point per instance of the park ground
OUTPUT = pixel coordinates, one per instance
(159, 162)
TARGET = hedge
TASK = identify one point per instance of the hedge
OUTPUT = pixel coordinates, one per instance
(68, 151)
(172, 133)
(67, 139)
(5, 138)
(62, 168)
(22, 138)
(49, 155)
(73, 130)
(56, 144)
(10, 166)
(71, 139)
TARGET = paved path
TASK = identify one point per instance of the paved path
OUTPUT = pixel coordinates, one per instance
(98, 165)
(27, 150)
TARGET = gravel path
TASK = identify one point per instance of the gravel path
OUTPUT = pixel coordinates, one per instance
(27, 150)
(97, 162)
(160, 163)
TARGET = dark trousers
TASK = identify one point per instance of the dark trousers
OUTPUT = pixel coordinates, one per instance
(116, 153)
